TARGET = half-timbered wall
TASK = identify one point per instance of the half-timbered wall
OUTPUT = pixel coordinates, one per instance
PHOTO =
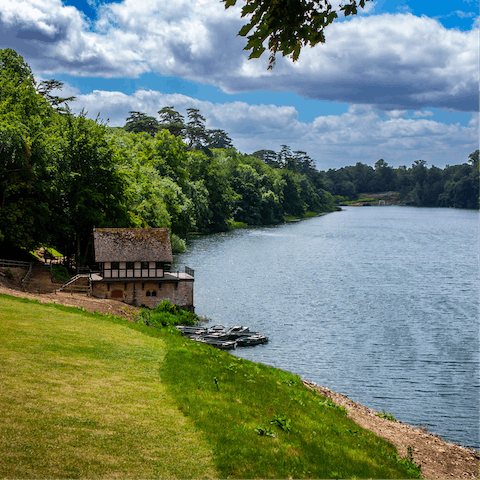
(133, 270)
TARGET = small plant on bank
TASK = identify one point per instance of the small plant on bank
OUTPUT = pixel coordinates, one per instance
(264, 431)
(330, 404)
(386, 415)
(9, 274)
(407, 463)
(282, 422)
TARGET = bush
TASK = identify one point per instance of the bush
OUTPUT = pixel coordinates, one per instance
(61, 273)
(166, 314)
(9, 274)
(178, 244)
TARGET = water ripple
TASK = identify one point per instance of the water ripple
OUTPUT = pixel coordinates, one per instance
(379, 303)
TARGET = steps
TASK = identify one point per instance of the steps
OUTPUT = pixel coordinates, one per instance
(40, 280)
(78, 284)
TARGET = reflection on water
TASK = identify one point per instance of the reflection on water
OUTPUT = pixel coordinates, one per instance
(378, 303)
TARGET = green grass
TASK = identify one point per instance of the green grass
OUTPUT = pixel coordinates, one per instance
(85, 395)
(240, 405)
(81, 397)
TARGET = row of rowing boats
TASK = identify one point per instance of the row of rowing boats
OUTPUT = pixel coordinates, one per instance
(222, 337)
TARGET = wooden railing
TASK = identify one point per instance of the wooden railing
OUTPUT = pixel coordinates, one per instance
(189, 271)
(14, 264)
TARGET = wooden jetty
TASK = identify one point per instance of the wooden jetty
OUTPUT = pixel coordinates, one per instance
(225, 338)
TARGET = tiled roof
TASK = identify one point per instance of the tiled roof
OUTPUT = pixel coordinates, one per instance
(132, 245)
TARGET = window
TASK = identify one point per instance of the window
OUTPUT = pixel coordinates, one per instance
(130, 265)
(148, 293)
(115, 265)
(154, 293)
(144, 264)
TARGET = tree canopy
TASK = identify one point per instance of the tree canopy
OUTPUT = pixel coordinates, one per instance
(288, 25)
(62, 174)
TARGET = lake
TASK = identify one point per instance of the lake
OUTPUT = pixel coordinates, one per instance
(377, 303)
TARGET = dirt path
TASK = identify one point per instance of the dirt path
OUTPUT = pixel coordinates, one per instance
(438, 459)
(90, 304)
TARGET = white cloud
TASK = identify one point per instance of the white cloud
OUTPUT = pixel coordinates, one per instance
(420, 114)
(395, 62)
(359, 135)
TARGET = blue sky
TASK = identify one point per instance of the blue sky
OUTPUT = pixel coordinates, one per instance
(399, 81)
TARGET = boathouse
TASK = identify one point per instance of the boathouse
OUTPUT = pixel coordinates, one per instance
(135, 267)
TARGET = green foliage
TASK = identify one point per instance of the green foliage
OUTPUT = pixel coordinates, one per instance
(407, 463)
(386, 415)
(264, 431)
(282, 422)
(165, 314)
(178, 244)
(9, 273)
(455, 186)
(288, 26)
(60, 272)
(140, 122)
(172, 121)
(330, 404)
(62, 174)
(25, 119)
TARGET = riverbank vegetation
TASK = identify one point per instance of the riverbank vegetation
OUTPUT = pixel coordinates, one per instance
(62, 174)
(86, 395)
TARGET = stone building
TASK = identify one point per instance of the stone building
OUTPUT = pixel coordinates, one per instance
(135, 266)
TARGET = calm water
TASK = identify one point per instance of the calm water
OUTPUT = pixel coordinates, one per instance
(378, 303)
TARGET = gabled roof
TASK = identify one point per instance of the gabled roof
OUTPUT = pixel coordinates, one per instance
(132, 245)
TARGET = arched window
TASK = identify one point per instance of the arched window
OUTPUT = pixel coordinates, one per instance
(148, 293)
(154, 293)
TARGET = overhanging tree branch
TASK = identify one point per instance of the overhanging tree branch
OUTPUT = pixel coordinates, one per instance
(288, 25)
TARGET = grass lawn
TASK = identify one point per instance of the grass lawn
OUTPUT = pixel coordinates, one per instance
(81, 396)
(84, 395)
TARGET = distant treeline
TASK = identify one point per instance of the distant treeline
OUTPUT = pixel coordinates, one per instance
(453, 186)
(62, 174)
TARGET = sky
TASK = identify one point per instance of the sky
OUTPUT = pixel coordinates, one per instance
(399, 81)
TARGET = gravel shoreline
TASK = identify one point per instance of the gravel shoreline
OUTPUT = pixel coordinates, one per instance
(438, 459)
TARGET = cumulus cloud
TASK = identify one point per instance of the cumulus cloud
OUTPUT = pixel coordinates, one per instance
(362, 134)
(419, 113)
(394, 62)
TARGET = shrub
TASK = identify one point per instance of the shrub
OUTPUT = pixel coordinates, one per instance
(9, 274)
(178, 244)
(61, 273)
(166, 314)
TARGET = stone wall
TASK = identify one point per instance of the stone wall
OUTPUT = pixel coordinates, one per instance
(147, 293)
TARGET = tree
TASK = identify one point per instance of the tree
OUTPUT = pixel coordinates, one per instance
(288, 25)
(267, 156)
(25, 120)
(218, 139)
(195, 129)
(87, 185)
(45, 88)
(172, 121)
(140, 122)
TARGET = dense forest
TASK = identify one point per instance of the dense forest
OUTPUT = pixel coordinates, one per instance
(62, 174)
